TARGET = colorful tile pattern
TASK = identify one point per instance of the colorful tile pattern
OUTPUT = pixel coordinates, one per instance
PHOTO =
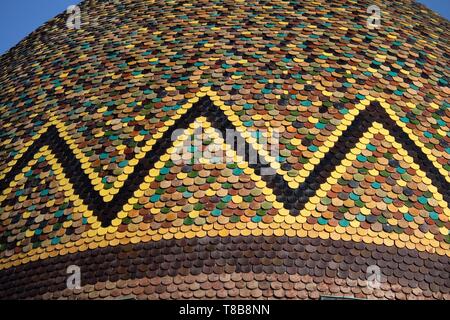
(87, 167)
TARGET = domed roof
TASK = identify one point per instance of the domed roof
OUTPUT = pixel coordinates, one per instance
(341, 164)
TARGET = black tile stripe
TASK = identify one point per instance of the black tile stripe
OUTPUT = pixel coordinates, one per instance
(347, 141)
(293, 199)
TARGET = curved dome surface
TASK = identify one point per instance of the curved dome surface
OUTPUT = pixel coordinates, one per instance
(91, 174)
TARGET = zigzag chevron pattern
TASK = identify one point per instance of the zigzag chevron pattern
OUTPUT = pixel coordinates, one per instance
(294, 199)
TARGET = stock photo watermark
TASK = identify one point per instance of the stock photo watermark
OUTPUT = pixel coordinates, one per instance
(374, 20)
(73, 281)
(374, 277)
(74, 17)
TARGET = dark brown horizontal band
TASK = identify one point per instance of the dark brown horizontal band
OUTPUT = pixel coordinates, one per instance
(319, 259)
(241, 285)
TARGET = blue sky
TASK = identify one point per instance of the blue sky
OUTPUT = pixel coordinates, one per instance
(18, 18)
